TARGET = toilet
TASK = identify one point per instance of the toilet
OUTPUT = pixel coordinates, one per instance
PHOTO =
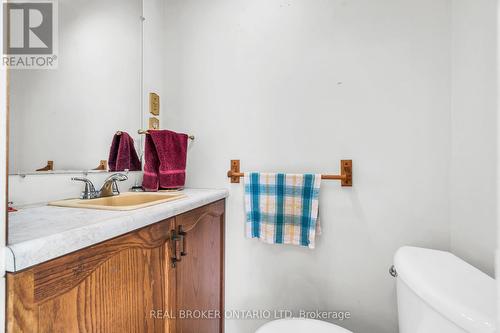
(300, 325)
(436, 292)
(439, 292)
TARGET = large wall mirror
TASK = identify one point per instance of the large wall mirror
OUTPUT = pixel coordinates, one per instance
(69, 115)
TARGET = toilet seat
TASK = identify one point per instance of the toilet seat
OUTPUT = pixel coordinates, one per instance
(300, 325)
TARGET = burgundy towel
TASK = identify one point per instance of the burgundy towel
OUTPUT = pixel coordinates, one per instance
(122, 154)
(151, 166)
(165, 157)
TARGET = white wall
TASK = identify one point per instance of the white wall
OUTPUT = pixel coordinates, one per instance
(497, 266)
(154, 54)
(296, 86)
(474, 129)
(74, 111)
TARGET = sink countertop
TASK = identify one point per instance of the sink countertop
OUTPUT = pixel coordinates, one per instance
(39, 234)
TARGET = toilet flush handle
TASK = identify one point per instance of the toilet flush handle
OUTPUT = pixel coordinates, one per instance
(393, 271)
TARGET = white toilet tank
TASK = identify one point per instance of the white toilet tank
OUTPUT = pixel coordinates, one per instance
(438, 292)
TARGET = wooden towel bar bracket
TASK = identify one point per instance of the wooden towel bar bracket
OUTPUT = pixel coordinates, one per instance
(48, 167)
(345, 173)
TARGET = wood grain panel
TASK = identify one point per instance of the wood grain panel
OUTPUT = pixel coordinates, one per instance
(116, 297)
(200, 273)
(59, 275)
(109, 287)
(170, 291)
(21, 308)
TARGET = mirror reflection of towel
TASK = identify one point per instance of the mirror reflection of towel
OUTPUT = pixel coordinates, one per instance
(122, 155)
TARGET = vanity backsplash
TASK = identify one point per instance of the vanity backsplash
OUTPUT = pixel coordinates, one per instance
(38, 188)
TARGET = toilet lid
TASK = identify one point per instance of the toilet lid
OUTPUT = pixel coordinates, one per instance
(299, 325)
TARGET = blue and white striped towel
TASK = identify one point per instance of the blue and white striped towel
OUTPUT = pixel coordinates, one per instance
(282, 208)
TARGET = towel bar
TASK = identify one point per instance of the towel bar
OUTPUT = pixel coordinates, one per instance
(141, 131)
(345, 173)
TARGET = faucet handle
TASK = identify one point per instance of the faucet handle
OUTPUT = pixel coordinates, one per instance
(89, 191)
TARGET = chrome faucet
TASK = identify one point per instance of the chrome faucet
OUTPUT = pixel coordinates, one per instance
(89, 192)
(108, 189)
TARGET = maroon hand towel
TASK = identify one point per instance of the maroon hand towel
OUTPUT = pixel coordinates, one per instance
(151, 166)
(165, 156)
(122, 154)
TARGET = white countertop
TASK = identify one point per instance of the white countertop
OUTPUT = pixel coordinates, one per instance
(39, 234)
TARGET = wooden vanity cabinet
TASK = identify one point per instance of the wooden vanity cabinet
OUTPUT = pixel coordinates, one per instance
(166, 277)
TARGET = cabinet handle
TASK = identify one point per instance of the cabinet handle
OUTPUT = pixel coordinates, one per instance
(174, 238)
(182, 234)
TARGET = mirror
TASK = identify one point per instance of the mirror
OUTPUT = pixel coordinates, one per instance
(73, 112)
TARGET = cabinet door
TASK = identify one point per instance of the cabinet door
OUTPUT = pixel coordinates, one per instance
(117, 286)
(200, 271)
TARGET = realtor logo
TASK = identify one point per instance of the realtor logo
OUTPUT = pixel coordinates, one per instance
(29, 34)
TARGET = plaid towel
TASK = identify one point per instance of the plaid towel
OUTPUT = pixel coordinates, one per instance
(282, 208)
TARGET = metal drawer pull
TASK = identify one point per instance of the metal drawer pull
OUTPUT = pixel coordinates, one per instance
(182, 235)
(174, 238)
